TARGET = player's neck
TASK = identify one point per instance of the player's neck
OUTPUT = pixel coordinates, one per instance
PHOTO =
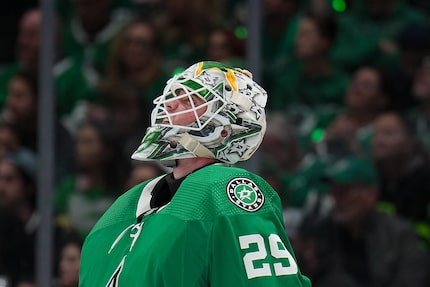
(188, 165)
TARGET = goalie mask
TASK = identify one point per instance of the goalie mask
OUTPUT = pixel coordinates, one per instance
(222, 116)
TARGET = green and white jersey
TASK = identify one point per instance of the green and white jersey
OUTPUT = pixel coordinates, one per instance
(223, 227)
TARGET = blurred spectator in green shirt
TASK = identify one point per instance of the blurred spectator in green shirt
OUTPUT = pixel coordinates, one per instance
(87, 36)
(367, 32)
(355, 245)
(82, 196)
(366, 96)
(313, 80)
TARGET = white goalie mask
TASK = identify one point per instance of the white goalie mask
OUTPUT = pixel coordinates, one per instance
(225, 113)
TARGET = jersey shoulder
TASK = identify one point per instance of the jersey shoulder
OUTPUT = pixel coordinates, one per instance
(219, 190)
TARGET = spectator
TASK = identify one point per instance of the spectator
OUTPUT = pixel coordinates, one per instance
(365, 98)
(68, 266)
(91, 29)
(403, 169)
(303, 187)
(225, 47)
(21, 107)
(280, 22)
(83, 196)
(367, 33)
(9, 139)
(413, 43)
(366, 95)
(340, 140)
(280, 151)
(10, 17)
(135, 60)
(294, 173)
(27, 50)
(420, 116)
(18, 196)
(313, 80)
(134, 76)
(133, 79)
(13, 248)
(356, 245)
(87, 37)
(18, 189)
(21, 111)
(185, 25)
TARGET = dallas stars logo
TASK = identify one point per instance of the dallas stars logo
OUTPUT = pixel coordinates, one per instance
(244, 193)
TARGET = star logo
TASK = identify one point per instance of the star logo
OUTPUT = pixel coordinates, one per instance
(239, 147)
(245, 194)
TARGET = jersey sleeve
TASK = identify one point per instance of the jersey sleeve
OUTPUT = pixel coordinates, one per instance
(252, 249)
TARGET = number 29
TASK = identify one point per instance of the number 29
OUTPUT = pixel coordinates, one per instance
(277, 251)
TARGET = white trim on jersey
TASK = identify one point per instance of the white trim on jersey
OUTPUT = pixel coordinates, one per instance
(143, 205)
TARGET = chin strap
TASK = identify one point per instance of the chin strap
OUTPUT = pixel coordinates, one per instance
(195, 147)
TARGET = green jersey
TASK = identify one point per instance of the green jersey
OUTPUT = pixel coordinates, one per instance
(223, 227)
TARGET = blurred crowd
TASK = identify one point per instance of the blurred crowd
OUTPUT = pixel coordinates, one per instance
(347, 144)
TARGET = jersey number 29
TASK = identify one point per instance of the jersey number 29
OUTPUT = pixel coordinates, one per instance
(277, 251)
